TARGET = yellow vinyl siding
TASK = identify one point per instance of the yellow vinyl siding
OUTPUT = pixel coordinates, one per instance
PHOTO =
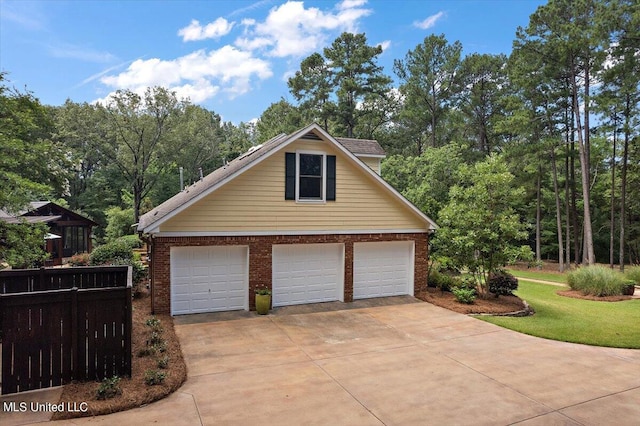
(254, 201)
(374, 163)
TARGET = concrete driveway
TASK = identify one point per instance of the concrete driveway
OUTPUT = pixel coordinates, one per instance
(406, 364)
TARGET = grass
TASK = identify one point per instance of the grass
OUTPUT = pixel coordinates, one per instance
(613, 324)
(555, 277)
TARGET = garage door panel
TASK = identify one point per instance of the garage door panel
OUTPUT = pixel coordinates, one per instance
(208, 279)
(307, 273)
(383, 269)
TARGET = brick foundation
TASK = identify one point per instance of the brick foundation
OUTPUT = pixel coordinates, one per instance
(260, 248)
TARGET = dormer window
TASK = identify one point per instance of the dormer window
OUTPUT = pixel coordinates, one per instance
(310, 176)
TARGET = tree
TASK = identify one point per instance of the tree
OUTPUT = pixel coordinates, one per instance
(142, 137)
(356, 76)
(312, 88)
(569, 35)
(279, 117)
(32, 167)
(481, 97)
(343, 86)
(425, 180)
(428, 81)
(479, 228)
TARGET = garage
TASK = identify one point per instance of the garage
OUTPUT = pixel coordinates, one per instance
(307, 273)
(209, 279)
(382, 269)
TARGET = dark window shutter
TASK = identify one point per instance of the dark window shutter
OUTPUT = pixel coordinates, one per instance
(290, 176)
(331, 177)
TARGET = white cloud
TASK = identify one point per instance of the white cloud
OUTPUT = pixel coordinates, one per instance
(216, 29)
(199, 75)
(288, 30)
(429, 22)
(385, 45)
(293, 30)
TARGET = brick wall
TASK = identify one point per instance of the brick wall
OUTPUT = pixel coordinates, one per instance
(260, 248)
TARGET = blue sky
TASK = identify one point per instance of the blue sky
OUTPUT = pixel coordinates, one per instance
(232, 57)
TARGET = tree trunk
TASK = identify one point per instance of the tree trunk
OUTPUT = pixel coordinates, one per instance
(538, 218)
(588, 257)
(558, 210)
(623, 186)
(612, 225)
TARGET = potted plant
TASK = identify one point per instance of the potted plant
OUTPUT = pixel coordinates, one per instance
(263, 300)
(629, 288)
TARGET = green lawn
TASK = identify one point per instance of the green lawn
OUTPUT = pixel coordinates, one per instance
(614, 324)
(556, 277)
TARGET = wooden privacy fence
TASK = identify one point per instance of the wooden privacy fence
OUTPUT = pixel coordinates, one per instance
(64, 324)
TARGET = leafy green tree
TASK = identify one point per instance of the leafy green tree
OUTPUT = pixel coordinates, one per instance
(342, 87)
(312, 87)
(428, 82)
(479, 227)
(357, 78)
(481, 97)
(425, 180)
(571, 37)
(142, 137)
(32, 167)
(22, 244)
(279, 117)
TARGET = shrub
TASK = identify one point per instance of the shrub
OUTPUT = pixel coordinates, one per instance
(133, 241)
(597, 281)
(154, 377)
(154, 339)
(464, 295)
(109, 388)
(107, 253)
(155, 324)
(442, 281)
(163, 362)
(80, 259)
(502, 283)
(633, 274)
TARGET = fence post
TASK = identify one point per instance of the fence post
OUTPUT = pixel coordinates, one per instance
(75, 354)
(42, 276)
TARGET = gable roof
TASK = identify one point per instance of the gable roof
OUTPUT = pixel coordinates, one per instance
(41, 211)
(150, 221)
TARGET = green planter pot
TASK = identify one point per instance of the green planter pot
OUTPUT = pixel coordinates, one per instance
(263, 303)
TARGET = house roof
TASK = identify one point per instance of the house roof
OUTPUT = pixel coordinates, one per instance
(150, 221)
(37, 212)
(363, 147)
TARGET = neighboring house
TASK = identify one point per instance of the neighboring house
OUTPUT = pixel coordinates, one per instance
(306, 215)
(69, 232)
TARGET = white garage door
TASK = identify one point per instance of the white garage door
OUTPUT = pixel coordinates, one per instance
(382, 269)
(307, 273)
(209, 279)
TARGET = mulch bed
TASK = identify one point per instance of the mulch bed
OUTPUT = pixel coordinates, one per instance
(135, 392)
(491, 305)
(578, 295)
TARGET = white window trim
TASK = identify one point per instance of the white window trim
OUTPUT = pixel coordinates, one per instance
(324, 178)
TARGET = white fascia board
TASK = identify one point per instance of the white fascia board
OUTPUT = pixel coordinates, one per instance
(292, 232)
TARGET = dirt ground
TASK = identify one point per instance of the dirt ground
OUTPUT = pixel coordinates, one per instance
(135, 392)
